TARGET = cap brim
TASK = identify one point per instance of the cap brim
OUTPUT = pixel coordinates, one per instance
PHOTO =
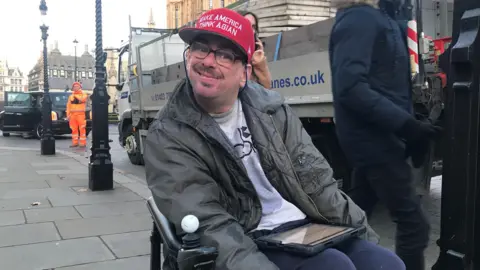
(189, 34)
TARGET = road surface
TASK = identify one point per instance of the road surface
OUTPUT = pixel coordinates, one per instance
(119, 157)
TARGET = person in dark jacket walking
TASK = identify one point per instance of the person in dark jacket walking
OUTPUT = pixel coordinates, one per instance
(234, 155)
(373, 117)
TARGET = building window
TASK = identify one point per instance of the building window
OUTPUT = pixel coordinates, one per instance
(62, 73)
(55, 73)
(83, 74)
(90, 74)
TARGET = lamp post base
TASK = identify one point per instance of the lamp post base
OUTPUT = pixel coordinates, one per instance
(100, 175)
(47, 146)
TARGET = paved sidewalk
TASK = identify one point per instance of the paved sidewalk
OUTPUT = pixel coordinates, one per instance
(50, 220)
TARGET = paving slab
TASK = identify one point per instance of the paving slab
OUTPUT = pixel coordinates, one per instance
(76, 228)
(56, 254)
(44, 192)
(112, 209)
(51, 214)
(28, 234)
(123, 179)
(19, 176)
(74, 176)
(64, 171)
(23, 203)
(27, 177)
(59, 163)
(12, 166)
(57, 182)
(83, 188)
(4, 187)
(140, 189)
(93, 197)
(11, 218)
(128, 244)
(134, 263)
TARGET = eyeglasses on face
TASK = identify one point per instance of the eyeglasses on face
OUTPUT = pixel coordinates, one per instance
(224, 57)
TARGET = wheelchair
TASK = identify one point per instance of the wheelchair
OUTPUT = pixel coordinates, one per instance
(187, 252)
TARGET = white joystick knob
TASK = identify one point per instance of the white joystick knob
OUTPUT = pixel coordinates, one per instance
(190, 223)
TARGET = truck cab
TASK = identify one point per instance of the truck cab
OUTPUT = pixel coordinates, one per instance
(146, 49)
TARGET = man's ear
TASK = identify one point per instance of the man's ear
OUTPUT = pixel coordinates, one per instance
(187, 56)
(246, 75)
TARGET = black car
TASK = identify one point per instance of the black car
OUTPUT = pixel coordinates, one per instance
(23, 113)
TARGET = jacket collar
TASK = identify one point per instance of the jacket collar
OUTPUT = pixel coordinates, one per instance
(182, 106)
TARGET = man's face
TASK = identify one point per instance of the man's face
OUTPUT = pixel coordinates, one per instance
(76, 88)
(215, 68)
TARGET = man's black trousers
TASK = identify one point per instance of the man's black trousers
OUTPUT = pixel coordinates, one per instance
(392, 184)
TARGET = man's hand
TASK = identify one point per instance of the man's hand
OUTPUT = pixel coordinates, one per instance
(414, 130)
(418, 136)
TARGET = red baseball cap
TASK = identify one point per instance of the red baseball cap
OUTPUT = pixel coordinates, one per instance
(225, 23)
(76, 83)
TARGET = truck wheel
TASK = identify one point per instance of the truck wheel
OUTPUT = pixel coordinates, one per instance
(132, 145)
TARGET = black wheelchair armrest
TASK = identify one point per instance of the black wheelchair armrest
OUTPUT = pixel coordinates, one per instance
(165, 228)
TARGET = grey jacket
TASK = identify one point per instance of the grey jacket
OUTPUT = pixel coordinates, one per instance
(191, 168)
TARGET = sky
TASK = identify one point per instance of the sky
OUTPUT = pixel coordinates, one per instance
(20, 22)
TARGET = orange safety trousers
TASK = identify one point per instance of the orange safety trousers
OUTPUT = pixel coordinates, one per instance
(78, 125)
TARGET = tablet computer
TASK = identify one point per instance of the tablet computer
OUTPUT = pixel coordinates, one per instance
(309, 239)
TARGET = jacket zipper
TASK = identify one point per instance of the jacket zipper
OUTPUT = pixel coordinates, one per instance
(242, 168)
(293, 168)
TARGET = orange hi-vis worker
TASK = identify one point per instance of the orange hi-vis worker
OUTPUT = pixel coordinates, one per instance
(76, 106)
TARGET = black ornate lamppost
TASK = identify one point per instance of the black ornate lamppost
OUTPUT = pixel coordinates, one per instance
(47, 142)
(460, 214)
(100, 168)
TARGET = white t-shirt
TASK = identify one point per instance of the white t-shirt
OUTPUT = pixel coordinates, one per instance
(275, 209)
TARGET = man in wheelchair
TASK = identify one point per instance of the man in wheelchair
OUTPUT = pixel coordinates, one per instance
(234, 155)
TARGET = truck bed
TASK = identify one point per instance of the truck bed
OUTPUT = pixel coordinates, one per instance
(300, 72)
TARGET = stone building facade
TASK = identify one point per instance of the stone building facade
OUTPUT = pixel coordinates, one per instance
(181, 12)
(11, 79)
(61, 70)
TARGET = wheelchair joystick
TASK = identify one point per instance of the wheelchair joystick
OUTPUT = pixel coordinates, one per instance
(190, 225)
(192, 255)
